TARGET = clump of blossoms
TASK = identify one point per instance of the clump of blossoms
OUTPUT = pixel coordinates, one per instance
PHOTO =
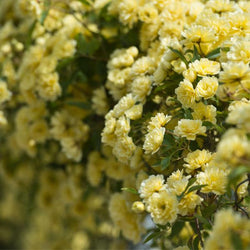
(124, 122)
(190, 77)
(52, 99)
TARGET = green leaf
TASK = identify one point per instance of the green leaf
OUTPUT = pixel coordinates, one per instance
(196, 187)
(45, 11)
(205, 234)
(208, 211)
(214, 53)
(29, 35)
(179, 54)
(175, 78)
(236, 174)
(84, 2)
(165, 162)
(187, 114)
(208, 124)
(87, 47)
(43, 16)
(190, 242)
(160, 88)
(226, 49)
(247, 200)
(177, 227)
(211, 125)
(80, 76)
(157, 164)
(196, 242)
(82, 105)
(76, 76)
(203, 220)
(236, 241)
(196, 55)
(163, 227)
(193, 145)
(168, 140)
(128, 37)
(153, 235)
(130, 190)
(190, 183)
(64, 62)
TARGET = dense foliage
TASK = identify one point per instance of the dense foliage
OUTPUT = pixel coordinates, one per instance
(124, 124)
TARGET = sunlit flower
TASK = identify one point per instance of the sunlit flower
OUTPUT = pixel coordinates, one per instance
(189, 129)
(206, 87)
(163, 207)
(153, 184)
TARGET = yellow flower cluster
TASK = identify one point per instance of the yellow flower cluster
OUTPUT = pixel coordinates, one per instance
(226, 224)
(160, 198)
(124, 217)
(191, 78)
(156, 131)
(114, 112)
(43, 133)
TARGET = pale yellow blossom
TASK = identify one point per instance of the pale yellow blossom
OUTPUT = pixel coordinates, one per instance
(189, 129)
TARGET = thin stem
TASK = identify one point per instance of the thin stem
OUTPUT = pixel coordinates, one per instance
(244, 211)
(148, 165)
(237, 202)
(93, 58)
(236, 190)
(247, 90)
(199, 231)
(169, 132)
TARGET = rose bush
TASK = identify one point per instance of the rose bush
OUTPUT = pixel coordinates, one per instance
(124, 124)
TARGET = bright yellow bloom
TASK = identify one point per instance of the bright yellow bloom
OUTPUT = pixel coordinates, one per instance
(206, 87)
(141, 87)
(153, 140)
(214, 178)
(100, 101)
(240, 51)
(135, 112)
(197, 159)
(228, 223)
(49, 87)
(190, 74)
(138, 207)
(123, 105)
(234, 72)
(205, 67)
(240, 116)
(204, 112)
(219, 6)
(233, 147)
(158, 121)
(163, 207)
(122, 126)
(124, 148)
(189, 129)
(143, 65)
(154, 183)
(186, 93)
(148, 13)
(188, 203)
(198, 33)
(3, 120)
(128, 12)
(5, 94)
(124, 218)
(177, 182)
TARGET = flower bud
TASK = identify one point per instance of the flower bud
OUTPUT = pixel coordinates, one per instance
(138, 207)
